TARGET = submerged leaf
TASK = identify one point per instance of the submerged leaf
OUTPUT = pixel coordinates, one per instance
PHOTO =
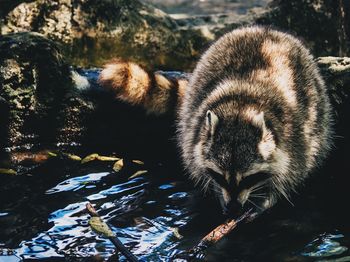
(89, 158)
(138, 173)
(176, 232)
(6, 171)
(52, 154)
(74, 157)
(95, 156)
(32, 157)
(100, 227)
(107, 158)
(139, 162)
(118, 165)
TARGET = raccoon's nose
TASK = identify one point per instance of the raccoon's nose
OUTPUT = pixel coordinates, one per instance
(230, 208)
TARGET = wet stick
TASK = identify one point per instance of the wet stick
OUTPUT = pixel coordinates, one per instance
(197, 252)
(101, 227)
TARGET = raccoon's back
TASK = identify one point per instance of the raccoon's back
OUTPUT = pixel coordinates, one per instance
(272, 69)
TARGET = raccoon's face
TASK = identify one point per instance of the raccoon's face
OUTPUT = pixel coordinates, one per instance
(237, 153)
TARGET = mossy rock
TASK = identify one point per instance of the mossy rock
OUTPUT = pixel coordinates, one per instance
(38, 102)
(34, 78)
(94, 31)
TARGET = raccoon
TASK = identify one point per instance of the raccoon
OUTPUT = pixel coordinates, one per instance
(254, 120)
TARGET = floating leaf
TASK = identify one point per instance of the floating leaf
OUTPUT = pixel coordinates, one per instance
(89, 158)
(93, 157)
(138, 173)
(6, 171)
(52, 154)
(74, 157)
(107, 158)
(176, 232)
(139, 162)
(118, 165)
(100, 227)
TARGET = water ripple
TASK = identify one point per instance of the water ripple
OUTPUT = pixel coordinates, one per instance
(326, 245)
(77, 183)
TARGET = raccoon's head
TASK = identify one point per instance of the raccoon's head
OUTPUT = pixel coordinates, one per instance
(238, 155)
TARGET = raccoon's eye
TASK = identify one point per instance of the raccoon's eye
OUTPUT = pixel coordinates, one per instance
(254, 179)
(218, 178)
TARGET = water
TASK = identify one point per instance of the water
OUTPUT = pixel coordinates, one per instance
(143, 213)
(205, 7)
(42, 215)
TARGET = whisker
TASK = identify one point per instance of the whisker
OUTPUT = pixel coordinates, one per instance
(281, 190)
(258, 194)
(256, 189)
(255, 196)
(258, 186)
(254, 204)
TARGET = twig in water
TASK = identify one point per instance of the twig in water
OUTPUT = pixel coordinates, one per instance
(98, 225)
(197, 252)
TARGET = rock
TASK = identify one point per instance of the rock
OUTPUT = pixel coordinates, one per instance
(33, 79)
(321, 23)
(35, 91)
(303, 18)
(336, 71)
(200, 7)
(215, 25)
(94, 31)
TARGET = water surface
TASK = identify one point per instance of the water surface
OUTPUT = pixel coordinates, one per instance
(42, 215)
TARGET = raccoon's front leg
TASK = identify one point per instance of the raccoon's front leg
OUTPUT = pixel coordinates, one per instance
(157, 92)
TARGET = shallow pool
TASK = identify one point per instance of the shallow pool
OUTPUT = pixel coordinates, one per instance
(43, 217)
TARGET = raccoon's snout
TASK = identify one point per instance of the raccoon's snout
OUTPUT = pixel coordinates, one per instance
(237, 193)
(230, 206)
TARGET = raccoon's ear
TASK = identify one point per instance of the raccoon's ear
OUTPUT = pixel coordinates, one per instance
(211, 122)
(259, 120)
(267, 145)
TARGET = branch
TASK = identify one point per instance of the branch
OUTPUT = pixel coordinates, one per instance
(104, 229)
(197, 252)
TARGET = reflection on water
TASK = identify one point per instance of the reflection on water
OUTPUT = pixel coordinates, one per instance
(143, 215)
(45, 219)
(325, 245)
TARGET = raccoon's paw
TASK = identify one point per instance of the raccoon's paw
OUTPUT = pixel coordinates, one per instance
(128, 81)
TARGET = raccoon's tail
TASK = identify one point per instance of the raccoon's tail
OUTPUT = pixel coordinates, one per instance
(158, 92)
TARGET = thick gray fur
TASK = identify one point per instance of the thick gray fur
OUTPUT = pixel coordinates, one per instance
(249, 71)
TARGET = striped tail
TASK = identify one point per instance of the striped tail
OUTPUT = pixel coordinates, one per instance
(157, 92)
